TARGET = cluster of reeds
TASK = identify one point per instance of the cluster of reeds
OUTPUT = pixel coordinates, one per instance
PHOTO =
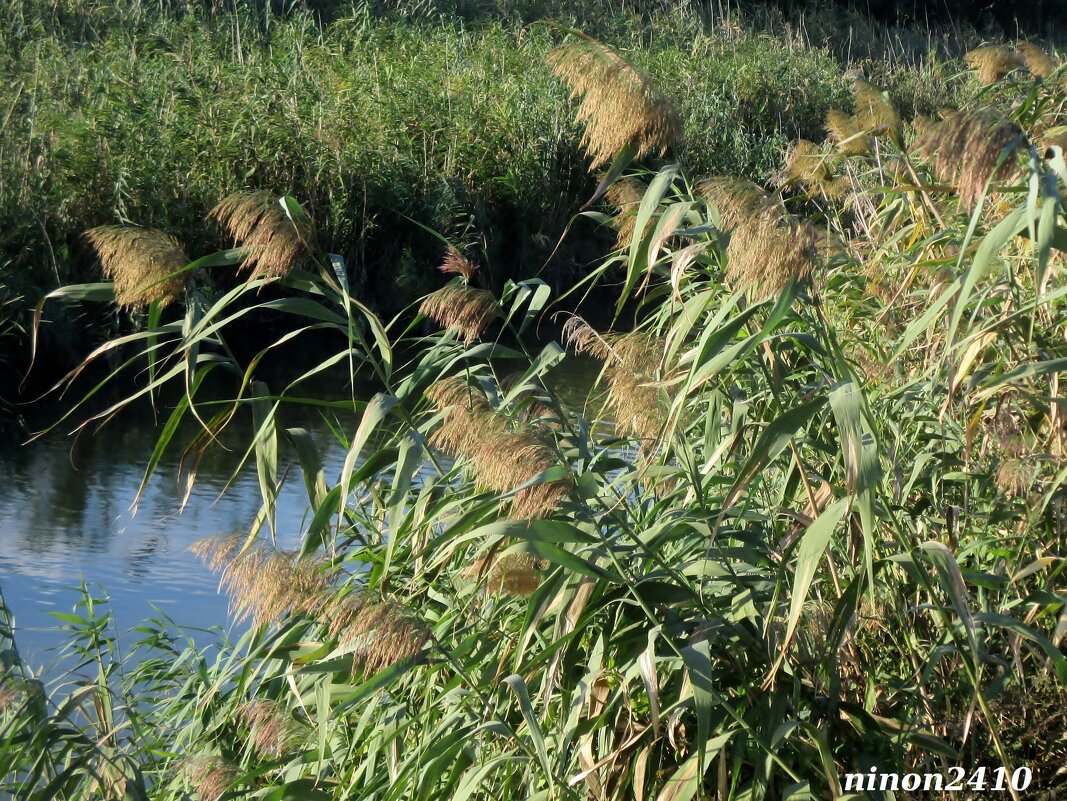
(211, 776)
(973, 149)
(994, 62)
(735, 199)
(631, 369)
(265, 584)
(141, 262)
(273, 732)
(274, 240)
(619, 106)
(874, 115)
(511, 574)
(504, 453)
(463, 309)
(808, 166)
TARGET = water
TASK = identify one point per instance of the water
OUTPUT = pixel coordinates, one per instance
(66, 516)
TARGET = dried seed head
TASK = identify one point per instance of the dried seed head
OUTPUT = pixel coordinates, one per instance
(273, 241)
(462, 309)
(503, 453)
(456, 264)
(512, 574)
(273, 733)
(210, 776)
(619, 106)
(626, 194)
(875, 114)
(769, 251)
(969, 146)
(1013, 477)
(383, 632)
(993, 62)
(813, 169)
(263, 583)
(735, 199)
(847, 133)
(1037, 61)
(140, 262)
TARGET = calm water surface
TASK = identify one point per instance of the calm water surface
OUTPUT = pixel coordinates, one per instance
(66, 516)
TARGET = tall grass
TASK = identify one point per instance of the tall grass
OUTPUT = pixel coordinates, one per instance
(823, 531)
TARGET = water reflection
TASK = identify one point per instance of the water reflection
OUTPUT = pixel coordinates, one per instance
(65, 516)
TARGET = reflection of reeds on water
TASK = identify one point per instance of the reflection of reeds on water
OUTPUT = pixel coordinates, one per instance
(504, 453)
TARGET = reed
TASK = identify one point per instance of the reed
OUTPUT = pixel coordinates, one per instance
(141, 262)
(273, 239)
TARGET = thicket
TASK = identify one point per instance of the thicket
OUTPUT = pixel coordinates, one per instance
(815, 523)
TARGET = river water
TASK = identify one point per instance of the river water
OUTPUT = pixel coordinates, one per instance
(67, 517)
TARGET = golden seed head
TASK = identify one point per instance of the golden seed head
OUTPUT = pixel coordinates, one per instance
(383, 632)
(1037, 61)
(462, 309)
(993, 62)
(626, 194)
(813, 169)
(875, 114)
(735, 199)
(581, 336)
(273, 241)
(967, 148)
(1013, 477)
(456, 263)
(503, 453)
(140, 262)
(273, 732)
(767, 252)
(847, 133)
(210, 776)
(619, 106)
(512, 574)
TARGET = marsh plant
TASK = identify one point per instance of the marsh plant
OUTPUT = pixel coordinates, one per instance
(811, 523)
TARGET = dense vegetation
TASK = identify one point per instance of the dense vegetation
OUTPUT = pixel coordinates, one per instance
(813, 521)
(375, 115)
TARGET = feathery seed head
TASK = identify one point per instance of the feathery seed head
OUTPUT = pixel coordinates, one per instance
(273, 733)
(626, 194)
(456, 263)
(140, 262)
(512, 574)
(875, 114)
(1013, 477)
(847, 133)
(384, 632)
(993, 62)
(619, 106)
(769, 251)
(462, 309)
(968, 147)
(807, 165)
(735, 199)
(1037, 61)
(272, 239)
(210, 776)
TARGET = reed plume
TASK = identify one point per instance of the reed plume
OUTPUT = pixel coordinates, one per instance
(512, 574)
(875, 114)
(1012, 477)
(770, 250)
(993, 62)
(967, 148)
(383, 632)
(1037, 61)
(625, 194)
(210, 776)
(141, 263)
(811, 168)
(273, 732)
(455, 263)
(631, 369)
(273, 241)
(847, 133)
(265, 584)
(619, 106)
(504, 454)
(735, 199)
(463, 309)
